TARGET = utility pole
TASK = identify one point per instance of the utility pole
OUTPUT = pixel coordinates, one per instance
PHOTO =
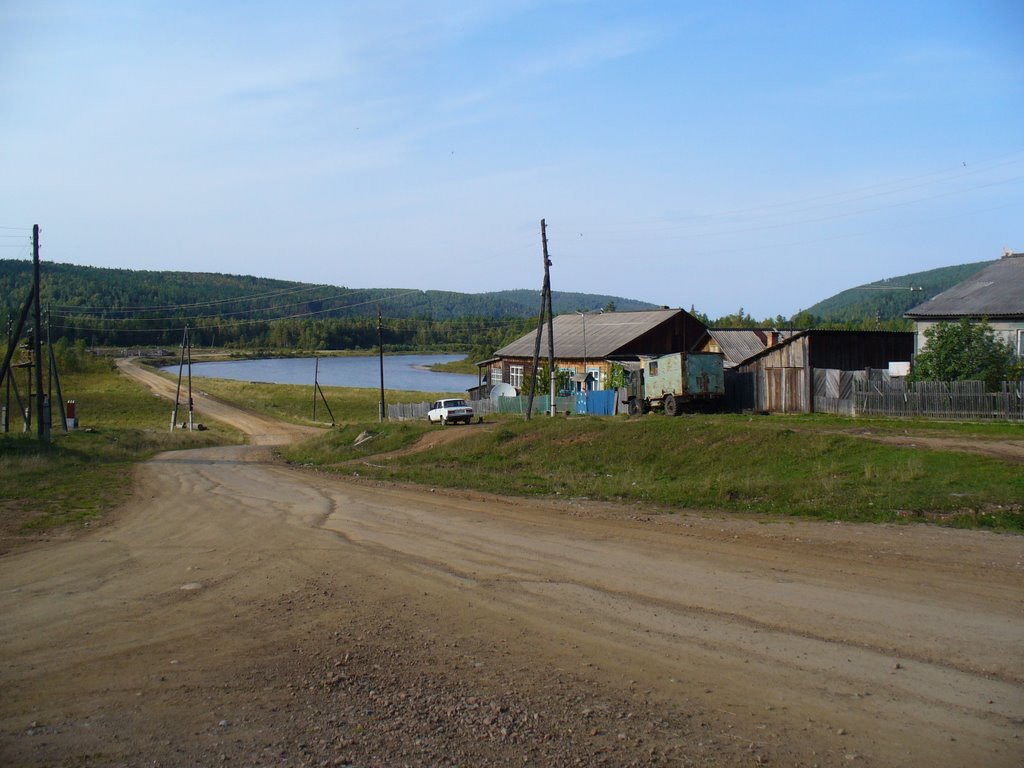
(7, 384)
(37, 339)
(316, 376)
(545, 306)
(380, 346)
(177, 392)
(551, 322)
(188, 336)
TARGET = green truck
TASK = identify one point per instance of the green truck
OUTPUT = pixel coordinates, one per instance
(682, 381)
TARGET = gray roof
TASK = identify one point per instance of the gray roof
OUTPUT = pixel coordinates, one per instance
(737, 344)
(606, 333)
(996, 291)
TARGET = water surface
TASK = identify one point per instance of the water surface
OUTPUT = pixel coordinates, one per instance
(400, 372)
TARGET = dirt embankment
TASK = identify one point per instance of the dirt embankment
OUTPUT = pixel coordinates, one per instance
(236, 611)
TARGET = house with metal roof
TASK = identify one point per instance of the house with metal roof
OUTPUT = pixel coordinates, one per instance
(586, 345)
(995, 294)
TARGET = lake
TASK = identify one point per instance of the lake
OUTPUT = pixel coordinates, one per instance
(400, 372)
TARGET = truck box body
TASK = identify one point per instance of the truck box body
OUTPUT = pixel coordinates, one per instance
(698, 374)
(676, 380)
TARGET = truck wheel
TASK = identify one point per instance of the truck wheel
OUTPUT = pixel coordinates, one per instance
(671, 406)
(636, 406)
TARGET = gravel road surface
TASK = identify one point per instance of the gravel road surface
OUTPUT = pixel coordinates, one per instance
(237, 611)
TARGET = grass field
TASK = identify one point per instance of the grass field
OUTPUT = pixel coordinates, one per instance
(778, 465)
(294, 402)
(817, 466)
(86, 471)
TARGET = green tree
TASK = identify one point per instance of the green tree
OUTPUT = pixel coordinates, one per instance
(966, 351)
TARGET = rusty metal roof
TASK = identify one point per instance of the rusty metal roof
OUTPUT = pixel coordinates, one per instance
(996, 291)
(605, 333)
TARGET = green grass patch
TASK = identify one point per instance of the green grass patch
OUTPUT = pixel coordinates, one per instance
(294, 402)
(788, 466)
(82, 473)
(340, 445)
(466, 365)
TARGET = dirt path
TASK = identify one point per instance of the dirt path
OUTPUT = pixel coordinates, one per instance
(241, 612)
(262, 430)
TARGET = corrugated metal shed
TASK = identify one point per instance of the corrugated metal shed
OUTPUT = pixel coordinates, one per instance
(606, 334)
(995, 292)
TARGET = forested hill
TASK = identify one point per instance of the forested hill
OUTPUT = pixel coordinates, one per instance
(888, 299)
(119, 292)
(135, 307)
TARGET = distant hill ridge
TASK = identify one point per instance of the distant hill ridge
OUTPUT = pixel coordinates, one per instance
(109, 292)
(888, 299)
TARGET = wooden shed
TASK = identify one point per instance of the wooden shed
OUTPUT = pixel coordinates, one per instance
(813, 370)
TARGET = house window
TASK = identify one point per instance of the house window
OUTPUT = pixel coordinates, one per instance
(515, 376)
(1020, 343)
(652, 368)
(595, 374)
(496, 374)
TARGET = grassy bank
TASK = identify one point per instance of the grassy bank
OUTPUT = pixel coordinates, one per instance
(294, 402)
(86, 471)
(805, 466)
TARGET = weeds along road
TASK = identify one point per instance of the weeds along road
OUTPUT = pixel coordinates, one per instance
(238, 611)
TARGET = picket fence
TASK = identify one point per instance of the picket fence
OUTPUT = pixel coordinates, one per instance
(939, 399)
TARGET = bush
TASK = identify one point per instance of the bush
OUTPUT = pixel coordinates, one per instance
(966, 351)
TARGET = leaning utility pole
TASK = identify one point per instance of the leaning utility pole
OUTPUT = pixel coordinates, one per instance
(186, 344)
(545, 306)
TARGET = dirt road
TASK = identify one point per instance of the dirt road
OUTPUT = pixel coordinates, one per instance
(241, 612)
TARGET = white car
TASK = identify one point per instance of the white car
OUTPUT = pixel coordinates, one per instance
(450, 411)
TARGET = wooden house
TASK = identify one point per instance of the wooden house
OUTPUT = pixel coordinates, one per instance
(586, 345)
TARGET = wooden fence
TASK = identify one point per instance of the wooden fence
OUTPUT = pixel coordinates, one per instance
(939, 399)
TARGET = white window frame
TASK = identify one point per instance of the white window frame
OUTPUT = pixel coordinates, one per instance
(515, 376)
(1020, 343)
(496, 377)
(596, 373)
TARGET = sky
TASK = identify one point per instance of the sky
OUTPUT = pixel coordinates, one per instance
(762, 155)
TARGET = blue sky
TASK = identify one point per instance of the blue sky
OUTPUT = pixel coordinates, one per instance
(763, 155)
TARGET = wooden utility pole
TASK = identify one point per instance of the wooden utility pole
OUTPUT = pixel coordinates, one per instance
(545, 306)
(7, 383)
(177, 392)
(380, 344)
(37, 339)
(551, 315)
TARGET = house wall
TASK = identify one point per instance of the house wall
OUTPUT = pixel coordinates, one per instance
(604, 366)
(1010, 331)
